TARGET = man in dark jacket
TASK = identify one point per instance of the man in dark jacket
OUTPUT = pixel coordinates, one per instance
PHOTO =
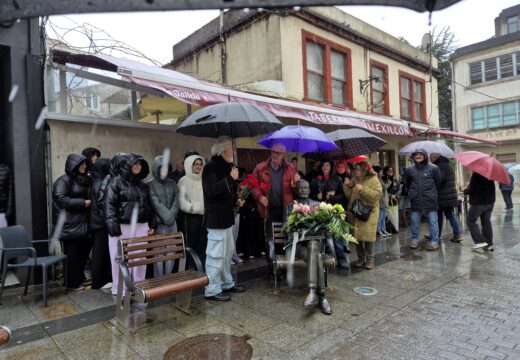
(219, 187)
(422, 181)
(71, 197)
(482, 198)
(507, 190)
(447, 195)
(6, 195)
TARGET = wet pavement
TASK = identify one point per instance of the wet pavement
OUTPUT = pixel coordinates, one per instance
(454, 303)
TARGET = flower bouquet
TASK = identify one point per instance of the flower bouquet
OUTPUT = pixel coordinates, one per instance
(320, 218)
(249, 184)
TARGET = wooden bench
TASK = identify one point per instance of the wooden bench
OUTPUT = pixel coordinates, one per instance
(281, 262)
(150, 250)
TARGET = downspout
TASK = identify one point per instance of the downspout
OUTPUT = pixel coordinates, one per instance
(223, 55)
(454, 120)
(48, 161)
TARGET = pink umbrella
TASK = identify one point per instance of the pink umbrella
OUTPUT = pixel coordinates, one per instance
(484, 164)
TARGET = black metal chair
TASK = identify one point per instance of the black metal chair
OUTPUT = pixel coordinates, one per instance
(17, 246)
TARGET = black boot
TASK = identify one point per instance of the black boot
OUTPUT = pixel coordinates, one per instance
(312, 298)
(324, 305)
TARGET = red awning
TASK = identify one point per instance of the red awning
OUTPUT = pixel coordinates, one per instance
(450, 133)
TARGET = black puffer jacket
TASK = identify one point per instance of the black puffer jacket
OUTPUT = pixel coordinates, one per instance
(481, 191)
(98, 173)
(448, 188)
(219, 194)
(6, 190)
(422, 181)
(115, 165)
(125, 191)
(69, 193)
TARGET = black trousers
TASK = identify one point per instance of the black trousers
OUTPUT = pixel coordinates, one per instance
(77, 252)
(101, 268)
(195, 234)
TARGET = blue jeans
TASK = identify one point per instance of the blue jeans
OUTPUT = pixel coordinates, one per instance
(381, 224)
(508, 200)
(450, 215)
(431, 216)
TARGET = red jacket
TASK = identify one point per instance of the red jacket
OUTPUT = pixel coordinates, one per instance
(261, 172)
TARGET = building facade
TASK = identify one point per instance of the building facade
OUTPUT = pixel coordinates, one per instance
(317, 55)
(486, 90)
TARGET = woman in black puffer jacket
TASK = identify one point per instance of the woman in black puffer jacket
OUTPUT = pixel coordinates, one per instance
(100, 255)
(125, 192)
(71, 194)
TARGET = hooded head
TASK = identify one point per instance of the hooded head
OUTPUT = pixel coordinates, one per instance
(72, 164)
(101, 168)
(126, 168)
(92, 154)
(117, 161)
(188, 166)
(157, 164)
(417, 160)
(72, 168)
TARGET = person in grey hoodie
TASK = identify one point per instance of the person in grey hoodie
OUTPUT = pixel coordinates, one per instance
(162, 192)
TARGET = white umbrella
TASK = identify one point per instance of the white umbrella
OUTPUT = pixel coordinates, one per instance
(431, 147)
(514, 170)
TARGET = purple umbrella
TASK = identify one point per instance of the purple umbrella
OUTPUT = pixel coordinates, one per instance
(298, 138)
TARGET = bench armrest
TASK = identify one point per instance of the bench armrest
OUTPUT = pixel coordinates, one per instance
(195, 258)
(129, 282)
(40, 241)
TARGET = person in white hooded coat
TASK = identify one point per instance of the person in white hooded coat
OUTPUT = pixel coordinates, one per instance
(191, 204)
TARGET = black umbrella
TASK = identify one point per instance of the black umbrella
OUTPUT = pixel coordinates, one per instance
(231, 119)
(351, 142)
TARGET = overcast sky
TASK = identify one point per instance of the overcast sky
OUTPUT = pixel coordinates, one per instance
(154, 33)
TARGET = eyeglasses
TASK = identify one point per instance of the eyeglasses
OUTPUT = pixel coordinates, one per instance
(277, 153)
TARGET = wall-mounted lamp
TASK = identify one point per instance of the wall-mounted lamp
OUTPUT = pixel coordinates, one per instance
(364, 83)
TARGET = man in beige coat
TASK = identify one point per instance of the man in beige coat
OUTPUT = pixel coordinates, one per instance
(366, 187)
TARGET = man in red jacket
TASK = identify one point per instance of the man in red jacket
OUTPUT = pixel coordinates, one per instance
(277, 179)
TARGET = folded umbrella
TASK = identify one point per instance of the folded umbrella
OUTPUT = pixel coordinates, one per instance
(484, 164)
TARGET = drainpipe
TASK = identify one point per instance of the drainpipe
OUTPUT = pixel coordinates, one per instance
(48, 161)
(223, 55)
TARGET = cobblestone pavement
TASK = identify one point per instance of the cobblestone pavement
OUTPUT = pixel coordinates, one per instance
(451, 304)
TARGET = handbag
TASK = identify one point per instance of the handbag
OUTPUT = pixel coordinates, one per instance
(360, 211)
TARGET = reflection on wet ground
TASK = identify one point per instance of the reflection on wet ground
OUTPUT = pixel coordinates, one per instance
(454, 303)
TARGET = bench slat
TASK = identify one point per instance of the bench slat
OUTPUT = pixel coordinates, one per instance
(140, 246)
(172, 283)
(151, 238)
(154, 259)
(143, 254)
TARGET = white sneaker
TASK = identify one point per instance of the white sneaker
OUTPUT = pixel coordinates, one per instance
(107, 286)
(490, 248)
(479, 246)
